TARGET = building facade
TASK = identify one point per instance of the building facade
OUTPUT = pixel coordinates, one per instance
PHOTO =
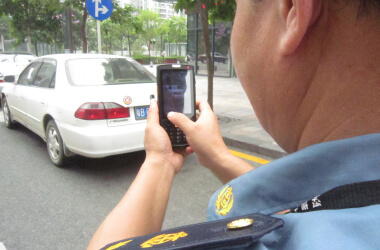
(164, 8)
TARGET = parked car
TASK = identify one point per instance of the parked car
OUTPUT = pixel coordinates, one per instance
(91, 105)
(217, 58)
(13, 63)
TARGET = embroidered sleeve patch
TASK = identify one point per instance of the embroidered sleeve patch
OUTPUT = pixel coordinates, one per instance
(224, 201)
(160, 239)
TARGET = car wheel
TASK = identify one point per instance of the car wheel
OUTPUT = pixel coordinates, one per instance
(54, 144)
(7, 114)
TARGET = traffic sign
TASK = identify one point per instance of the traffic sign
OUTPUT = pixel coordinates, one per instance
(100, 9)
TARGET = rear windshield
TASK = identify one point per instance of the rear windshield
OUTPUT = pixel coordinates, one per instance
(102, 71)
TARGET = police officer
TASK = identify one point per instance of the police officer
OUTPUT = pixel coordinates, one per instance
(311, 70)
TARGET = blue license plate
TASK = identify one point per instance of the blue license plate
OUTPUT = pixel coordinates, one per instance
(141, 112)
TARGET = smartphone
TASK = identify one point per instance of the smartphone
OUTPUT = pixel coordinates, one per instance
(176, 92)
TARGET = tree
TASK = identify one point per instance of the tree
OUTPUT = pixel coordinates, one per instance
(210, 11)
(33, 20)
(110, 34)
(91, 34)
(150, 22)
(127, 23)
(177, 31)
(163, 33)
(4, 30)
(81, 7)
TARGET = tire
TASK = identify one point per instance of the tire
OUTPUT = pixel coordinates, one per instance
(7, 114)
(54, 144)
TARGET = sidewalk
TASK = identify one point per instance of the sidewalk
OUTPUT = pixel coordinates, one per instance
(238, 123)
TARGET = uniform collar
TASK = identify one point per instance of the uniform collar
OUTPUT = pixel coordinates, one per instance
(289, 181)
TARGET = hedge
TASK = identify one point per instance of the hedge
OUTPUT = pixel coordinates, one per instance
(156, 60)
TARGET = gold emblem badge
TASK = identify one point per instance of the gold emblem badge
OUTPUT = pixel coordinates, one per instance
(225, 201)
(160, 239)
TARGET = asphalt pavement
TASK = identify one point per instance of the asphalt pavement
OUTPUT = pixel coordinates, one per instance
(238, 123)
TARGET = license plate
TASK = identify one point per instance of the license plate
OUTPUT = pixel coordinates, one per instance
(141, 112)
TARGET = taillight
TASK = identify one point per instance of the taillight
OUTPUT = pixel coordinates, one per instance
(101, 111)
(115, 111)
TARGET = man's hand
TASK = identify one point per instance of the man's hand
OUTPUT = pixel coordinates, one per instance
(203, 136)
(157, 143)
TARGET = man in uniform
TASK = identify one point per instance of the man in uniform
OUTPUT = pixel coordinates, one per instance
(311, 70)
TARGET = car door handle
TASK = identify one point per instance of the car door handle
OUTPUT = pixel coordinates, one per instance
(42, 103)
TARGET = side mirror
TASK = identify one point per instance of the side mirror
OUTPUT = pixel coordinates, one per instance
(10, 79)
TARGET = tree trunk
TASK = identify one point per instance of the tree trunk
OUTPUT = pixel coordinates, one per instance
(83, 28)
(129, 46)
(2, 43)
(71, 44)
(35, 48)
(206, 37)
(149, 48)
(29, 44)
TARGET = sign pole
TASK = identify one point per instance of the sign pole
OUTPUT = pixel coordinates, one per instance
(99, 37)
(100, 10)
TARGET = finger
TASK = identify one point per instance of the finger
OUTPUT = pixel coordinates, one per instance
(180, 120)
(181, 151)
(197, 104)
(153, 112)
(203, 107)
(189, 150)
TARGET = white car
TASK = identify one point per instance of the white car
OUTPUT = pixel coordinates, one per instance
(12, 64)
(91, 105)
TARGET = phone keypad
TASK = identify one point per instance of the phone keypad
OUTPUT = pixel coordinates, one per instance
(176, 135)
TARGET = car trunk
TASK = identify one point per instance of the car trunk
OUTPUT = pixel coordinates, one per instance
(136, 97)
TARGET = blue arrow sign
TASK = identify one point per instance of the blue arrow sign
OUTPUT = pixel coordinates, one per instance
(99, 9)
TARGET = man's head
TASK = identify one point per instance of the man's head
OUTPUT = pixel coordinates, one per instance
(308, 66)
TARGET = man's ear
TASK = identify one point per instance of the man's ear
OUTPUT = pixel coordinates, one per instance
(299, 16)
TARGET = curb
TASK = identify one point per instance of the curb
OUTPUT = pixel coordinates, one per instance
(273, 153)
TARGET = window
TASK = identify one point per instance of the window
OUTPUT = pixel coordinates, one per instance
(102, 71)
(28, 75)
(45, 76)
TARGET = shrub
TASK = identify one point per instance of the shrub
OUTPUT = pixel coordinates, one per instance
(143, 59)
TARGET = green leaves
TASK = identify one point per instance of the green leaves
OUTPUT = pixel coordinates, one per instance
(218, 10)
(33, 19)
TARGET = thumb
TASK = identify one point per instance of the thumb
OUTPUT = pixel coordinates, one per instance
(180, 120)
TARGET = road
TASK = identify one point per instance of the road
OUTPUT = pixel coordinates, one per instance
(45, 207)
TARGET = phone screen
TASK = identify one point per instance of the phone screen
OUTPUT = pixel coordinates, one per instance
(177, 89)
